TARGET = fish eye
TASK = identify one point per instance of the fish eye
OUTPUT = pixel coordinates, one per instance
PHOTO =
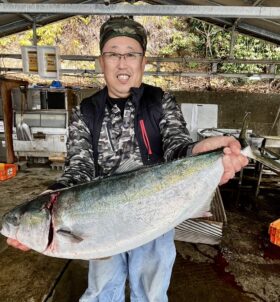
(13, 218)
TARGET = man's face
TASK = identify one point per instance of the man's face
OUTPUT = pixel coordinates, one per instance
(122, 73)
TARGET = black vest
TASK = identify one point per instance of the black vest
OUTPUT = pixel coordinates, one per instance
(148, 112)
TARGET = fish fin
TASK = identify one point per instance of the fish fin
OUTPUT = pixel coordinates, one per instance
(67, 233)
(256, 155)
(251, 151)
(243, 133)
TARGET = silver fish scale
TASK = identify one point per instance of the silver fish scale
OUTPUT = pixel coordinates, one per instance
(122, 212)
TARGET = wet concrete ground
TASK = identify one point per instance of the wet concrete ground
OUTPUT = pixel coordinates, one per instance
(244, 267)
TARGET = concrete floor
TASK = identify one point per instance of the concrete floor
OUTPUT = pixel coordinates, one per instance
(244, 267)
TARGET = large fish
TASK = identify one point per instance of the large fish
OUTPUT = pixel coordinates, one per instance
(115, 214)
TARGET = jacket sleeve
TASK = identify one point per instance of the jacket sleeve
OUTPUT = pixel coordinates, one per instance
(175, 135)
(79, 164)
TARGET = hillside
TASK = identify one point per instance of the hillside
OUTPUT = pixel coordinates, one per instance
(167, 37)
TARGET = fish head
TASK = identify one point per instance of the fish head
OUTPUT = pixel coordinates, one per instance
(29, 223)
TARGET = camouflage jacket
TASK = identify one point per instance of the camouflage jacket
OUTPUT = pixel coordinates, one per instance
(118, 149)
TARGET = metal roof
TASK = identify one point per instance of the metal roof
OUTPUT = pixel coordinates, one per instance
(259, 18)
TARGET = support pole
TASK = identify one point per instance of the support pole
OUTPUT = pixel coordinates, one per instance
(34, 27)
(6, 87)
(232, 43)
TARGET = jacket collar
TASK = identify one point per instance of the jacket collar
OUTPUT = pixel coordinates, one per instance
(137, 93)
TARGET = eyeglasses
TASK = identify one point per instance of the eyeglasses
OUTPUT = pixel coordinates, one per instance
(116, 57)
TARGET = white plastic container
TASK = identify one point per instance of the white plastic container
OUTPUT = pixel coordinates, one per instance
(48, 62)
(29, 59)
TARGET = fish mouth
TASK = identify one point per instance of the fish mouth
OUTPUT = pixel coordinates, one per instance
(2, 230)
(9, 225)
(8, 231)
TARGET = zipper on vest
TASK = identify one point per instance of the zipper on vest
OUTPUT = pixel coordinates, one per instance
(145, 138)
(109, 137)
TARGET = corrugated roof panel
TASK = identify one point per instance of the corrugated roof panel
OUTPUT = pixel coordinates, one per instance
(262, 28)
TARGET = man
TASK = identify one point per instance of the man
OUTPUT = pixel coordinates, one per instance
(126, 125)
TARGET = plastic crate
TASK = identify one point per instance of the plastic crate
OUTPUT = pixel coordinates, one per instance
(274, 232)
(7, 171)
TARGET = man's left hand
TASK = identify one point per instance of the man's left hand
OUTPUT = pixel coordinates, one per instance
(233, 160)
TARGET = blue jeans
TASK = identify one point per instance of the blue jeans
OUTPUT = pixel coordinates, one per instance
(148, 269)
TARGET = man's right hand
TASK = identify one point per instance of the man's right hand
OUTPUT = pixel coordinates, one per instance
(16, 244)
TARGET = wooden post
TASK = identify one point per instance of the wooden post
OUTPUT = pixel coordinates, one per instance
(6, 86)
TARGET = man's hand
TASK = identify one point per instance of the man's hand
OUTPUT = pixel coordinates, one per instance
(233, 160)
(17, 245)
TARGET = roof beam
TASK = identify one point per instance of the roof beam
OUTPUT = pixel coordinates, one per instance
(23, 24)
(256, 3)
(146, 10)
(259, 32)
(245, 29)
(233, 32)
